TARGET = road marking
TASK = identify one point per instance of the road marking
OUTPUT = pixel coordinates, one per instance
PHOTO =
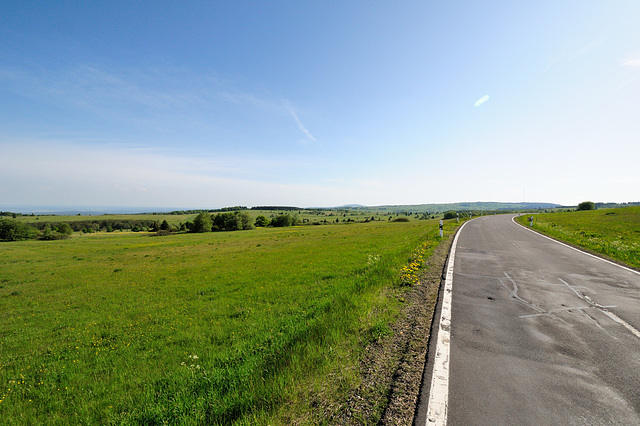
(603, 309)
(439, 392)
(577, 308)
(576, 249)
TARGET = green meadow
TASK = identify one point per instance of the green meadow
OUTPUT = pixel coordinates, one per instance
(245, 327)
(303, 215)
(614, 233)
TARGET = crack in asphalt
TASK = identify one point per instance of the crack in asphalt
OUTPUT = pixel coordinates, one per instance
(513, 293)
(602, 309)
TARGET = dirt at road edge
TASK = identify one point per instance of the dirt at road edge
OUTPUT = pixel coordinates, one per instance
(392, 368)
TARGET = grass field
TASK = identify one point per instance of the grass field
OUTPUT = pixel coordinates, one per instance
(246, 327)
(311, 215)
(614, 233)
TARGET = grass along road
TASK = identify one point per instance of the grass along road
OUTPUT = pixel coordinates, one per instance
(218, 328)
(614, 233)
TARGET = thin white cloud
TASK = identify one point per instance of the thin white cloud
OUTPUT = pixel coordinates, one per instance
(571, 53)
(301, 126)
(372, 183)
(116, 175)
(633, 63)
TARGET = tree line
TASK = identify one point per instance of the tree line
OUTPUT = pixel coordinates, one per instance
(13, 230)
(236, 221)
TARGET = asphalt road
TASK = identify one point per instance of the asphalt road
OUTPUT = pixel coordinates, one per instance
(540, 333)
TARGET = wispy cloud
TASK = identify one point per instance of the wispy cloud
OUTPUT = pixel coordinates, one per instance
(92, 86)
(153, 106)
(632, 62)
(114, 174)
(572, 53)
(301, 126)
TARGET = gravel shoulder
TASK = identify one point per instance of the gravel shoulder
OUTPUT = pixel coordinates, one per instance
(393, 367)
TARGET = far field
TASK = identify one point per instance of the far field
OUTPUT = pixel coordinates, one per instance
(614, 233)
(244, 327)
(303, 216)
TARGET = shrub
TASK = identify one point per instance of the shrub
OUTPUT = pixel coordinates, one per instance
(64, 228)
(450, 215)
(401, 219)
(12, 230)
(586, 205)
(261, 221)
(49, 235)
(232, 221)
(202, 223)
(284, 220)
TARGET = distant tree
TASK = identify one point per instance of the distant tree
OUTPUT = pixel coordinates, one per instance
(586, 205)
(49, 234)
(450, 215)
(12, 230)
(284, 220)
(231, 221)
(64, 228)
(202, 223)
(225, 222)
(245, 220)
(164, 226)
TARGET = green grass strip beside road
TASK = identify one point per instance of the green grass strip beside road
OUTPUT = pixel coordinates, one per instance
(613, 233)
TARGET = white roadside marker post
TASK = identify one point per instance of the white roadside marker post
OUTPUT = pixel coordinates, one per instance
(440, 228)
(457, 217)
(530, 220)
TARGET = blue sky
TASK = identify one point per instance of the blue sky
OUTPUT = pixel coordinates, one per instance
(213, 104)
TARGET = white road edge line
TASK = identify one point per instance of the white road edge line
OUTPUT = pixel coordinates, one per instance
(576, 249)
(439, 393)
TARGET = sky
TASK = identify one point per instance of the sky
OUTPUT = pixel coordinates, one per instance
(202, 104)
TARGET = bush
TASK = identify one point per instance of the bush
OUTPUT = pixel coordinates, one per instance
(232, 221)
(401, 219)
(450, 215)
(49, 235)
(202, 223)
(284, 220)
(64, 228)
(586, 205)
(261, 221)
(12, 230)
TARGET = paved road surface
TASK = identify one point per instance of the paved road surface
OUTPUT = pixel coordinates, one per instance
(540, 333)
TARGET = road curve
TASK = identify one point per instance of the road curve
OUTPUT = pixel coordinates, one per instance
(540, 333)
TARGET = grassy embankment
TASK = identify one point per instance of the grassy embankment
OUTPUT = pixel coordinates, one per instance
(247, 327)
(614, 233)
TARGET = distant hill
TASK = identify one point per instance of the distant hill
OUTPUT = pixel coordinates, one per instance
(600, 205)
(476, 206)
(463, 206)
(351, 206)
